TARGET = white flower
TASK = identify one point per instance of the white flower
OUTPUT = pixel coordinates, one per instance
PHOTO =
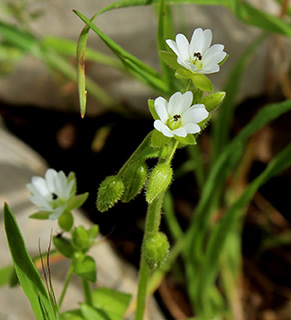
(52, 193)
(197, 56)
(178, 117)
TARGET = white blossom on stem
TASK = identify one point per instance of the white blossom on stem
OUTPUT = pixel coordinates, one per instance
(53, 193)
(178, 116)
(197, 56)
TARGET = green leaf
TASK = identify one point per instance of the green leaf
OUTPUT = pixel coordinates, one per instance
(28, 276)
(86, 269)
(220, 233)
(77, 201)
(40, 215)
(91, 313)
(158, 139)
(105, 298)
(202, 82)
(5, 275)
(188, 140)
(197, 233)
(222, 125)
(183, 73)
(151, 104)
(72, 315)
(133, 65)
(170, 59)
(64, 246)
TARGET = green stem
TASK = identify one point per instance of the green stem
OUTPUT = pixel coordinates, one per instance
(153, 220)
(143, 151)
(87, 292)
(67, 281)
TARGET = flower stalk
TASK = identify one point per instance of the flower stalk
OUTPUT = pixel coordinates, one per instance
(153, 220)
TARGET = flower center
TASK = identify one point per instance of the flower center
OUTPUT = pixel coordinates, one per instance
(197, 60)
(174, 122)
(54, 196)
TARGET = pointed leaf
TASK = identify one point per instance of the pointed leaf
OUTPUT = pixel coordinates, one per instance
(105, 298)
(86, 269)
(28, 276)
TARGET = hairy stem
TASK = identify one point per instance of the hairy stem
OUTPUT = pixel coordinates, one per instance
(153, 220)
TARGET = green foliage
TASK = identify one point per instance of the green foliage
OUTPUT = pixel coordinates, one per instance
(27, 274)
(86, 268)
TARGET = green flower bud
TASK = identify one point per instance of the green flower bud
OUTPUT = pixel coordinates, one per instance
(80, 239)
(66, 221)
(159, 181)
(134, 179)
(109, 193)
(214, 100)
(155, 250)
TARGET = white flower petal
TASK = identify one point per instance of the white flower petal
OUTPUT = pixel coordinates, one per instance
(40, 201)
(183, 46)
(181, 132)
(207, 40)
(186, 101)
(173, 45)
(195, 114)
(210, 69)
(163, 128)
(192, 128)
(175, 104)
(197, 42)
(39, 186)
(51, 180)
(213, 51)
(161, 109)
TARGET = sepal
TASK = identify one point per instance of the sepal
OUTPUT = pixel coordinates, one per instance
(170, 59)
(202, 82)
(214, 100)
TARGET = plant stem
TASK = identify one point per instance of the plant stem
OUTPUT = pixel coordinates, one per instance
(67, 281)
(153, 220)
(87, 292)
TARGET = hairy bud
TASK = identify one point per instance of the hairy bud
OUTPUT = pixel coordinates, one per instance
(159, 181)
(155, 250)
(109, 193)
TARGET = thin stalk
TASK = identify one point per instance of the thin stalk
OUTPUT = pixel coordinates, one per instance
(67, 281)
(152, 225)
(87, 292)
